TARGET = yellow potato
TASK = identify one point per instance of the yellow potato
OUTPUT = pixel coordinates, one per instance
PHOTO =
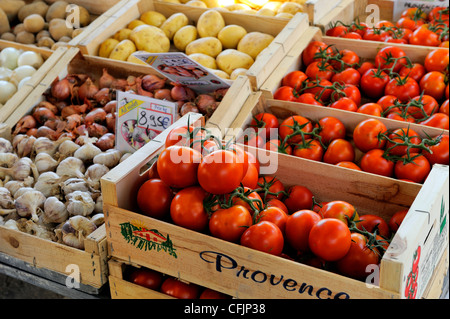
(184, 36)
(231, 59)
(254, 42)
(123, 50)
(34, 23)
(106, 47)
(290, 7)
(237, 72)
(237, 6)
(284, 15)
(212, 3)
(220, 74)
(57, 10)
(265, 12)
(58, 29)
(245, 11)
(273, 5)
(196, 3)
(122, 34)
(150, 38)
(231, 35)
(210, 46)
(210, 23)
(135, 23)
(153, 18)
(175, 22)
(203, 59)
(135, 60)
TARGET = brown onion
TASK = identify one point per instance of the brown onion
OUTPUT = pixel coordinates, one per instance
(111, 121)
(188, 107)
(96, 115)
(163, 94)
(96, 130)
(24, 124)
(119, 84)
(205, 102)
(44, 131)
(49, 106)
(42, 114)
(87, 90)
(106, 142)
(110, 106)
(152, 82)
(61, 89)
(182, 93)
(220, 93)
(106, 80)
(102, 96)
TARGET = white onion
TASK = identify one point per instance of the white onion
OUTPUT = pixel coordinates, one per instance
(23, 81)
(5, 74)
(21, 72)
(8, 58)
(7, 90)
(30, 58)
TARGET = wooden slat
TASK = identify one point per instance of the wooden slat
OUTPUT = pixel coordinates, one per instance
(317, 9)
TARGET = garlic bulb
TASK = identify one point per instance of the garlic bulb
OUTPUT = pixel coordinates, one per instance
(74, 184)
(45, 162)
(71, 167)
(99, 205)
(98, 219)
(94, 173)
(6, 199)
(54, 211)
(14, 186)
(75, 230)
(5, 145)
(87, 152)
(22, 191)
(45, 145)
(20, 170)
(48, 184)
(11, 224)
(8, 159)
(30, 204)
(110, 158)
(23, 145)
(80, 203)
(30, 227)
(67, 149)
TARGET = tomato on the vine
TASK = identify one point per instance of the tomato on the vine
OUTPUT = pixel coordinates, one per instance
(424, 36)
(294, 79)
(404, 88)
(437, 60)
(440, 151)
(366, 134)
(310, 149)
(416, 170)
(274, 215)
(439, 120)
(339, 150)
(331, 128)
(284, 93)
(295, 124)
(373, 83)
(229, 223)
(400, 136)
(396, 220)
(370, 109)
(346, 104)
(187, 210)
(391, 58)
(298, 198)
(266, 121)
(298, 226)
(154, 198)
(339, 209)
(433, 83)
(146, 277)
(264, 236)
(313, 48)
(375, 162)
(370, 223)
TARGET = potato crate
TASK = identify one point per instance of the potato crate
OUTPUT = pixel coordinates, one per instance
(246, 273)
(293, 59)
(286, 32)
(123, 289)
(50, 58)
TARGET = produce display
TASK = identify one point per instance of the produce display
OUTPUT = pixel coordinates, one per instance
(401, 153)
(277, 9)
(415, 27)
(217, 189)
(39, 22)
(16, 68)
(390, 86)
(169, 285)
(228, 50)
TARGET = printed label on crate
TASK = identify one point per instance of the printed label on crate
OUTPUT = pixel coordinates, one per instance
(426, 5)
(145, 239)
(179, 68)
(140, 119)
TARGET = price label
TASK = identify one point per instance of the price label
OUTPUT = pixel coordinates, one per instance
(426, 5)
(154, 120)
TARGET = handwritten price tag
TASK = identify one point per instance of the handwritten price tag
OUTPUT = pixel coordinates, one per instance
(152, 119)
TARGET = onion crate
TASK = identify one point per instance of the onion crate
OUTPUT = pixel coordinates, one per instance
(293, 59)
(286, 32)
(50, 58)
(246, 273)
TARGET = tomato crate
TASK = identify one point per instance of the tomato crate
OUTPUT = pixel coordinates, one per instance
(50, 58)
(293, 60)
(246, 273)
(286, 32)
(343, 10)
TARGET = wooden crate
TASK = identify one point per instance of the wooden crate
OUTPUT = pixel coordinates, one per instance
(123, 289)
(74, 62)
(50, 57)
(59, 262)
(286, 32)
(344, 11)
(293, 59)
(246, 273)
(94, 7)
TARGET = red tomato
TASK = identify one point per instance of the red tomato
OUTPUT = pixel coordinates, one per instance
(319, 70)
(295, 124)
(284, 93)
(276, 146)
(391, 58)
(179, 289)
(294, 79)
(416, 13)
(348, 91)
(373, 83)
(339, 209)
(400, 136)
(416, 71)
(308, 98)
(433, 83)
(424, 36)
(337, 31)
(440, 151)
(213, 294)
(438, 13)
(388, 103)
(330, 239)
(250, 179)
(437, 60)
(444, 107)
(422, 106)
(275, 202)
(266, 121)
(371, 223)
(350, 165)
(264, 236)
(347, 76)
(147, 278)
(404, 88)
(360, 255)
(177, 166)
(417, 170)
(374, 162)
(271, 187)
(182, 136)
(366, 66)
(331, 128)
(339, 150)
(298, 226)
(187, 208)
(251, 195)
(345, 59)
(352, 35)
(299, 197)
(252, 138)
(154, 198)
(320, 89)
(439, 120)
(370, 109)
(311, 149)
(345, 103)
(396, 220)
(366, 135)
(274, 215)
(229, 224)
(220, 172)
(313, 48)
